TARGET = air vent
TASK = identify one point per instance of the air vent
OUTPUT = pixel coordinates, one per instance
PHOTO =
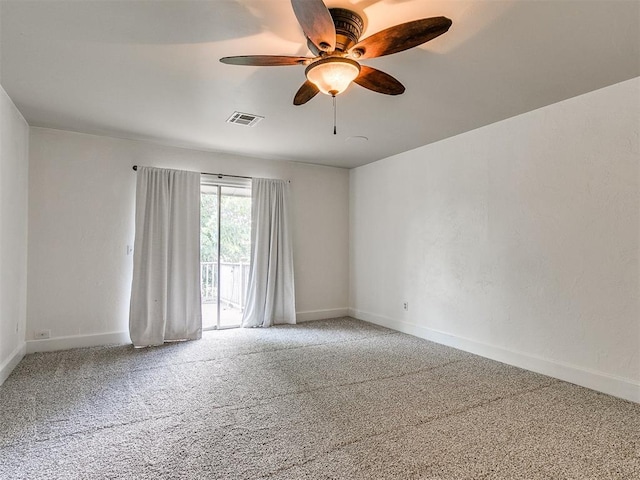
(246, 119)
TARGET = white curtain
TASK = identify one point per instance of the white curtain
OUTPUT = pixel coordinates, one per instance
(271, 294)
(165, 292)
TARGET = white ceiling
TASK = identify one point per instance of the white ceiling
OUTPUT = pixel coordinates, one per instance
(150, 70)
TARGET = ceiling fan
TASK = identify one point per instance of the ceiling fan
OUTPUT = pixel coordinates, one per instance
(333, 36)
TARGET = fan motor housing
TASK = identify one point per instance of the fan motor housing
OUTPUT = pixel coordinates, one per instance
(349, 27)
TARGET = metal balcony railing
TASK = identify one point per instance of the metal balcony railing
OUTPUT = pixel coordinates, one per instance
(233, 283)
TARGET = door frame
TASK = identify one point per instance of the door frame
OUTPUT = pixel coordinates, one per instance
(219, 183)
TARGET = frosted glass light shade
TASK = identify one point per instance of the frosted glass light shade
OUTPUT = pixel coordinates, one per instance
(333, 75)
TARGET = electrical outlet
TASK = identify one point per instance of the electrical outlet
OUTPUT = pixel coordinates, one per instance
(405, 306)
(42, 334)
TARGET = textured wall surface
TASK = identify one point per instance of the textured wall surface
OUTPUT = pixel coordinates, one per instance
(81, 215)
(522, 235)
(14, 166)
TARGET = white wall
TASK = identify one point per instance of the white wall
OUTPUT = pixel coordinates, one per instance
(81, 211)
(517, 241)
(14, 166)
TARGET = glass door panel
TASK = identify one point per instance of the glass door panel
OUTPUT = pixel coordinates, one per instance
(209, 256)
(235, 251)
(225, 248)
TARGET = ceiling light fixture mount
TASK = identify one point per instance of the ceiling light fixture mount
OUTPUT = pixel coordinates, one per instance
(349, 26)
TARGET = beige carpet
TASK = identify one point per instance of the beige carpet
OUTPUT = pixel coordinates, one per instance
(335, 399)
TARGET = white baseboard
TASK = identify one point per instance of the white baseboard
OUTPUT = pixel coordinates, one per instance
(12, 361)
(612, 385)
(77, 341)
(95, 340)
(312, 315)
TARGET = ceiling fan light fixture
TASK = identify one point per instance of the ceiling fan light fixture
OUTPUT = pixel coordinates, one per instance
(332, 75)
(333, 37)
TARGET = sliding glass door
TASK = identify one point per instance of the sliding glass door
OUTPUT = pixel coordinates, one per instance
(225, 243)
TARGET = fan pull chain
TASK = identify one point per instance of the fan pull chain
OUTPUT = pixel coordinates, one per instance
(334, 114)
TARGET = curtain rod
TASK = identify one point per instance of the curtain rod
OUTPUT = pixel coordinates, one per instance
(219, 175)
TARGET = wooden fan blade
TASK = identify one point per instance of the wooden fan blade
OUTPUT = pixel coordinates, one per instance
(316, 22)
(306, 92)
(401, 37)
(378, 81)
(264, 60)
(313, 48)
